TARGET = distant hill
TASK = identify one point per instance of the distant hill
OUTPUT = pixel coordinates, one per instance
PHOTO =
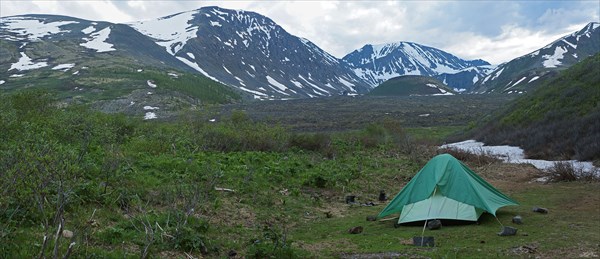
(411, 85)
(559, 120)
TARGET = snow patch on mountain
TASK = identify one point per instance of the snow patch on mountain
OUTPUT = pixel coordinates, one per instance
(31, 28)
(150, 116)
(554, 60)
(89, 30)
(63, 67)
(171, 32)
(98, 41)
(197, 68)
(26, 63)
(533, 79)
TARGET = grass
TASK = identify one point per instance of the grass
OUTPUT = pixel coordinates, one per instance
(189, 186)
(568, 230)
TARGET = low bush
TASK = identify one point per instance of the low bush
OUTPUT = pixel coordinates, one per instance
(566, 172)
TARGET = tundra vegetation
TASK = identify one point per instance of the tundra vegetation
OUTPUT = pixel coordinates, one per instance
(77, 182)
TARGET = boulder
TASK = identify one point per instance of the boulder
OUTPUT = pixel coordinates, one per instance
(508, 231)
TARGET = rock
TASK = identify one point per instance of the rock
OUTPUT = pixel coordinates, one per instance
(350, 199)
(382, 196)
(232, 253)
(67, 233)
(517, 220)
(508, 231)
(371, 218)
(328, 214)
(356, 230)
(434, 224)
(540, 210)
(423, 241)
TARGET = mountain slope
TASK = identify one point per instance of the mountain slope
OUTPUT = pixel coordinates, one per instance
(560, 119)
(110, 66)
(252, 53)
(377, 63)
(411, 85)
(526, 72)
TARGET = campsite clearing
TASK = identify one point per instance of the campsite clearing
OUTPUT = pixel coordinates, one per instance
(569, 230)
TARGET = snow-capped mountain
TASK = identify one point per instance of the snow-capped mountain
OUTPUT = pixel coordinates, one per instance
(37, 41)
(378, 63)
(522, 73)
(252, 53)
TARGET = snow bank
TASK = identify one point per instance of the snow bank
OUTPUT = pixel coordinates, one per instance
(98, 41)
(25, 63)
(31, 28)
(64, 67)
(511, 154)
(150, 116)
(151, 84)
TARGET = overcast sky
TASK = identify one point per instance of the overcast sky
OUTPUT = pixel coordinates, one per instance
(496, 31)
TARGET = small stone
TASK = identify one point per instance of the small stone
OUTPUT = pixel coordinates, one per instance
(371, 218)
(232, 253)
(508, 231)
(517, 220)
(67, 233)
(350, 199)
(382, 196)
(540, 210)
(434, 224)
(356, 230)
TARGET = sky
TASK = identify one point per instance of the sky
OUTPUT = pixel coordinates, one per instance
(495, 31)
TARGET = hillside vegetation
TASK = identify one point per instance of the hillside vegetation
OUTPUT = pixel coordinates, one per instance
(410, 85)
(80, 183)
(559, 120)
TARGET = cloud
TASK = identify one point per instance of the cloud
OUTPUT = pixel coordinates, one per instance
(496, 31)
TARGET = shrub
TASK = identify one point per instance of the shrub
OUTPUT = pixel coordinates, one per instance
(272, 244)
(319, 142)
(566, 172)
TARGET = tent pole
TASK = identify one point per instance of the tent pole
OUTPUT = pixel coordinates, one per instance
(428, 212)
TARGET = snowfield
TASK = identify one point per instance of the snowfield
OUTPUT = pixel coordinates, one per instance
(25, 63)
(511, 154)
(98, 41)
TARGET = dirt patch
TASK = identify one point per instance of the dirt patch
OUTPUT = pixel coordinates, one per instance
(233, 213)
(380, 255)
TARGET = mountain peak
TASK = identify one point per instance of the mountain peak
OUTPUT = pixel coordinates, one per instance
(379, 62)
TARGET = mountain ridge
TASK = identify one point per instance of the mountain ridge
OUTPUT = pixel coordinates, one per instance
(377, 63)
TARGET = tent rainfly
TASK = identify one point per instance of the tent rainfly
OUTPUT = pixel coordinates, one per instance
(445, 188)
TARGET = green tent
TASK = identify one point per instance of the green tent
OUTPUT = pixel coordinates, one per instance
(445, 188)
